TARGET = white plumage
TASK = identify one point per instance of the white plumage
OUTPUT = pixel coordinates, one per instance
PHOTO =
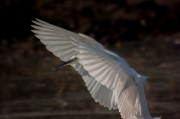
(108, 77)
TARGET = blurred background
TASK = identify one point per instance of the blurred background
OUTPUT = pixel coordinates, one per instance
(146, 33)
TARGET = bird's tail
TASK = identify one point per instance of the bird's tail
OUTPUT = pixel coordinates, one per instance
(158, 117)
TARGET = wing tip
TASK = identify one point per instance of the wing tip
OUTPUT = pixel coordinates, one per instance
(34, 26)
(37, 36)
(38, 19)
(36, 32)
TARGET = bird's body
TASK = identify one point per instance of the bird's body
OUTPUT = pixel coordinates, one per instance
(107, 76)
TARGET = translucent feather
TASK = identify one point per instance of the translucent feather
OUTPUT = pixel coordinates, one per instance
(108, 77)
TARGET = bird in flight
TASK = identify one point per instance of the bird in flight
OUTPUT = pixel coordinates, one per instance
(108, 77)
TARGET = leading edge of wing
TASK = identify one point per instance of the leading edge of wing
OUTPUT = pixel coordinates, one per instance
(47, 30)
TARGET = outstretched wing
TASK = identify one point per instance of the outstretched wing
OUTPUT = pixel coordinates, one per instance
(101, 70)
(58, 41)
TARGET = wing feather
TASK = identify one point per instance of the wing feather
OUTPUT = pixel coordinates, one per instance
(97, 90)
(107, 76)
(123, 85)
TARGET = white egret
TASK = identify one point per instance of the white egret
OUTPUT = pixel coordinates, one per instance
(107, 76)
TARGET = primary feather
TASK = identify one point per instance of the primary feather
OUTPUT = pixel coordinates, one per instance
(108, 77)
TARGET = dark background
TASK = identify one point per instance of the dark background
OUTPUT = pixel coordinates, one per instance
(144, 32)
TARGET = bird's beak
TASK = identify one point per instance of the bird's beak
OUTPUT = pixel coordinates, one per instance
(64, 64)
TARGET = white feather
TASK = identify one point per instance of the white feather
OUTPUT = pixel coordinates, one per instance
(108, 77)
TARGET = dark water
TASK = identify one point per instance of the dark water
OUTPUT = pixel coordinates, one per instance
(29, 89)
